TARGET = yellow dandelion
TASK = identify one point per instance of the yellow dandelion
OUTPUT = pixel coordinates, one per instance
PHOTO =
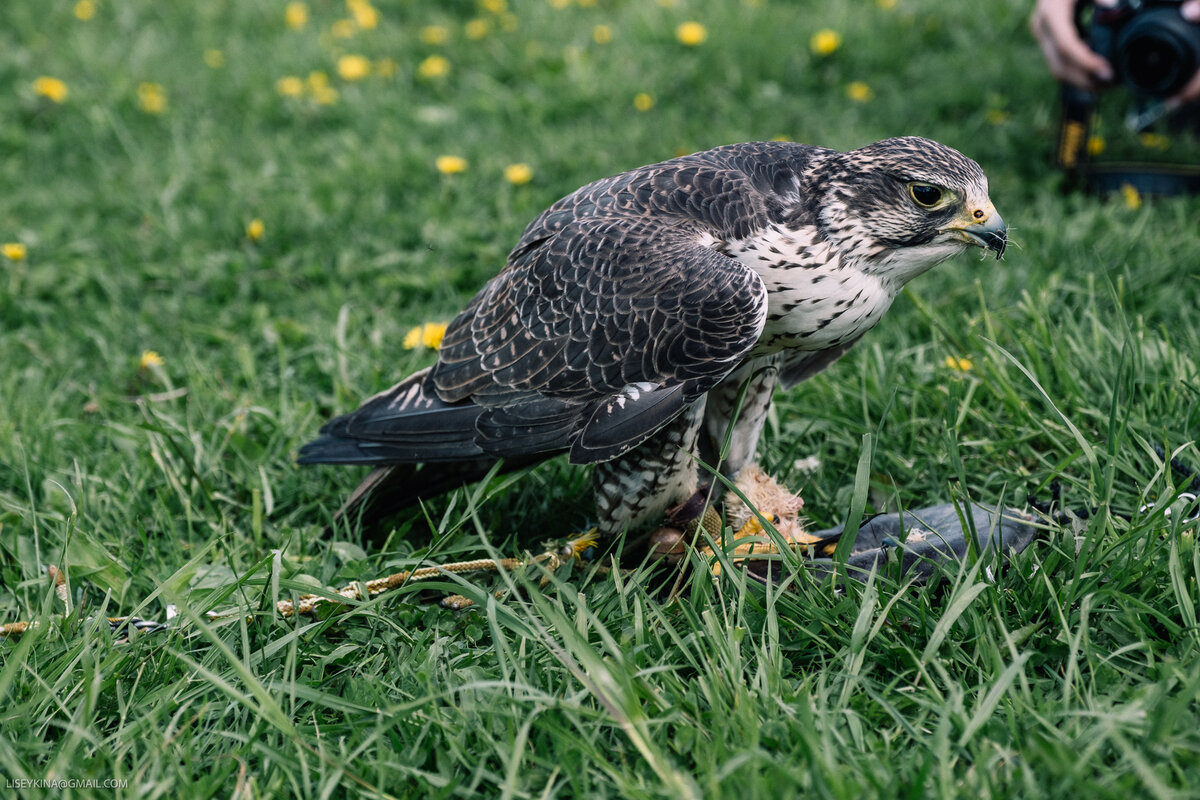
(434, 35)
(290, 86)
(52, 89)
(85, 10)
(998, 116)
(295, 15)
(450, 165)
(1131, 196)
(691, 34)
(150, 360)
(318, 86)
(559, 3)
(477, 28)
(152, 98)
(387, 68)
(494, 6)
(13, 251)
(1096, 145)
(886, 5)
(859, 92)
(959, 364)
(326, 95)
(255, 229)
(433, 334)
(353, 67)
(643, 101)
(1154, 141)
(343, 29)
(518, 174)
(365, 15)
(433, 67)
(602, 34)
(429, 335)
(825, 42)
(213, 58)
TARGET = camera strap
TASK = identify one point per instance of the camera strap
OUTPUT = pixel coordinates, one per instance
(1071, 155)
(1147, 179)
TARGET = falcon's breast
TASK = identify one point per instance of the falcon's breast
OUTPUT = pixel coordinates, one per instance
(815, 300)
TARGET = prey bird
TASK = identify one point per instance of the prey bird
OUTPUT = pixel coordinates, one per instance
(634, 311)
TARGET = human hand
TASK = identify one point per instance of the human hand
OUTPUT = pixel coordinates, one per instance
(1067, 54)
(1191, 91)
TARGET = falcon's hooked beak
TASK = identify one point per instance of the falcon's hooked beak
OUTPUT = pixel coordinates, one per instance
(984, 228)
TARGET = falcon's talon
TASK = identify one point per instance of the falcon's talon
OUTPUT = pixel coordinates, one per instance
(642, 322)
(689, 509)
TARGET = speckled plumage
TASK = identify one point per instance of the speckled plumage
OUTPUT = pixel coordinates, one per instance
(631, 312)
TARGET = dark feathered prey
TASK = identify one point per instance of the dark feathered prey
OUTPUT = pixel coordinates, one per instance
(633, 310)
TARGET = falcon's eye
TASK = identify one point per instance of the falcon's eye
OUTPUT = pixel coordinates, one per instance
(925, 194)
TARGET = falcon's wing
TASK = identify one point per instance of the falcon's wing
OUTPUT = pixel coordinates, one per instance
(800, 365)
(612, 316)
(607, 327)
(563, 350)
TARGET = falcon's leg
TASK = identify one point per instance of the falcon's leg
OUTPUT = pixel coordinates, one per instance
(657, 474)
(723, 405)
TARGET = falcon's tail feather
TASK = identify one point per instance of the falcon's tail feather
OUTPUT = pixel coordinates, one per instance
(423, 446)
(405, 424)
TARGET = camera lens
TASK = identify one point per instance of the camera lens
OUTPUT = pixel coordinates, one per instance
(1152, 65)
(1157, 52)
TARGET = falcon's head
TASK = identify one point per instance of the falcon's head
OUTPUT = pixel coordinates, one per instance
(900, 206)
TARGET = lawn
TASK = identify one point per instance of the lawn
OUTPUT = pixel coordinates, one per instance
(221, 222)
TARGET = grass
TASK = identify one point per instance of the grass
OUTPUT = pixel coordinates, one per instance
(1073, 671)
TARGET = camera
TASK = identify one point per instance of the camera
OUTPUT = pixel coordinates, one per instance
(1154, 52)
(1152, 48)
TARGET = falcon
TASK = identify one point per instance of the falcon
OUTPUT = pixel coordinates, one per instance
(642, 323)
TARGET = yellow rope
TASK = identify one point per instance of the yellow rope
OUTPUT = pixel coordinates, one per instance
(15, 629)
(308, 604)
(750, 541)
